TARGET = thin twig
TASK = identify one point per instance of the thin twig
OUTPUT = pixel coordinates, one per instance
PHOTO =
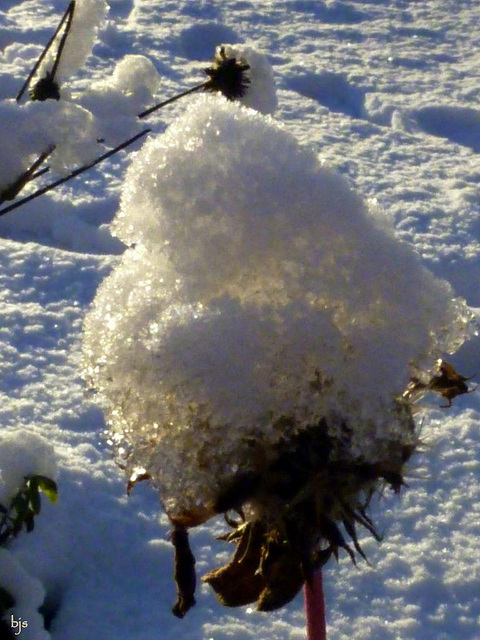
(39, 173)
(67, 13)
(73, 174)
(30, 174)
(146, 113)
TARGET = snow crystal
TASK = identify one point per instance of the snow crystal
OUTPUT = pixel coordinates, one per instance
(261, 287)
(88, 17)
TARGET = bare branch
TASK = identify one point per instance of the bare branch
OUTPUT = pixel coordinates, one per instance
(30, 174)
(73, 174)
(198, 87)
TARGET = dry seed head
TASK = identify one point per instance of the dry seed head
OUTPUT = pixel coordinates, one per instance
(228, 75)
(45, 89)
(251, 352)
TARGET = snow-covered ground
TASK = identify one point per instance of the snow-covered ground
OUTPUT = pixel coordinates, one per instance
(387, 93)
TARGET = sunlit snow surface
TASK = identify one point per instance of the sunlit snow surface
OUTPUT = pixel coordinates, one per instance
(386, 93)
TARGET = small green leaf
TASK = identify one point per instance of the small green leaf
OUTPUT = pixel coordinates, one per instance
(34, 496)
(30, 521)
(20, 505)
(35, 503)
(17, 526)
(48, 486)
(31, 482)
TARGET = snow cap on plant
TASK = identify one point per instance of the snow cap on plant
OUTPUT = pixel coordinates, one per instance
(72, 45)
(252, 348)
(88, 18)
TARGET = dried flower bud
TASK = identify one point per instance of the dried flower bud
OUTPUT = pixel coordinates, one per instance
(228, 75)
(45, 89)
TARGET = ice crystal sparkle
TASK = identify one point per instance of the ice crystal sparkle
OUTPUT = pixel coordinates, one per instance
(254, 345)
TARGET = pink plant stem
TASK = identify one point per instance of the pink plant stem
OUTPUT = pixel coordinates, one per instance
(315, 608)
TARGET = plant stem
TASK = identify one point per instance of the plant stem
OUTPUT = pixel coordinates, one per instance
(30, 174)
(73, 174)
(197, 87)
(39, 173)
(71, 11)
(315, 607)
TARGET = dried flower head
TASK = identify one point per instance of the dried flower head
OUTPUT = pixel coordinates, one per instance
(253, 352)
(300, 507)
(239, 73)
(45, 89)
(299, 511)
(228, 75)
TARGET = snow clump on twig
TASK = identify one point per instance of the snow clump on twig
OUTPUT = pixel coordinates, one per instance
(88, 17)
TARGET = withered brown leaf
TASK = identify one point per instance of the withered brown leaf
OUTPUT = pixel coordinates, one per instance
(448, 383)
(238, 583)
(135, 479)
(185, 577)
(281, 568)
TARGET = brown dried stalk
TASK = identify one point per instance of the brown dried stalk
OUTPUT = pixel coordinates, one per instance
(73, 174)
(13, 189)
